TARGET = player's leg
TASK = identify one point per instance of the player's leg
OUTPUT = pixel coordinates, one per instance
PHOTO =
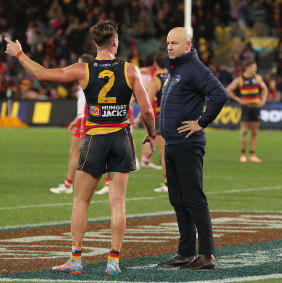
(74, 153)
(243, 137)
(85, 185)
(105, 189)
(117, 197)
(254, 134)
(161, 145)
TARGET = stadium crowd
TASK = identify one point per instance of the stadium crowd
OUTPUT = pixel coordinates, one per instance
(56, 32)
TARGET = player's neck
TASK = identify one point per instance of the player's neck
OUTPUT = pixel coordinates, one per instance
(106, 54)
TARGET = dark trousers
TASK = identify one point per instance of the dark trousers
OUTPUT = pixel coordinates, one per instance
(184, 169)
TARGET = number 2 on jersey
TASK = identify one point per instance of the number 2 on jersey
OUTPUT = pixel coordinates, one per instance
(107, 87)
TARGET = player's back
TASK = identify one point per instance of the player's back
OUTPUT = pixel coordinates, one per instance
(108, 92)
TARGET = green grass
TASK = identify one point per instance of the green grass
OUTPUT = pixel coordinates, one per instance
(33, 160)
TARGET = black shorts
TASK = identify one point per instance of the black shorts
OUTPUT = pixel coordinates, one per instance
(108, 153)
(250, 114)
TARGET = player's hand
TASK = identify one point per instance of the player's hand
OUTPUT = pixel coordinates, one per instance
(72, 125)
(192, 126)
(152, 141)
(261, 104)
(243, 102)
(12, 47)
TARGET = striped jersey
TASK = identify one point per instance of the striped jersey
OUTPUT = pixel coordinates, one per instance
(250, 90)
(160, 77)
(107, 92)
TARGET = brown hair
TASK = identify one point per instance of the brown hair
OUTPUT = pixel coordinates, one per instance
(103, 31)
(86, 58)
(160, 60)
(248, 64)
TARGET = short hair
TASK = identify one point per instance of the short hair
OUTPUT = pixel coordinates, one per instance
(103, 31)
(248, 64)
(160, 60)
(86, 58)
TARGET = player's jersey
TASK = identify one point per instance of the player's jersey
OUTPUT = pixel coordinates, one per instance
(160, 77)
(108, 92)
(250, 90)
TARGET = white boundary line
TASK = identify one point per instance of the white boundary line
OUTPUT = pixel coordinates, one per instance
(138, 198)
(226, 280)
(108, 218)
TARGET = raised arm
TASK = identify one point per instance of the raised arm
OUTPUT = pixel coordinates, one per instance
(75, 72)
(143, 101)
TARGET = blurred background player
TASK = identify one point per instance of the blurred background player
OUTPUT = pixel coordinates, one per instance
(154, 88)
(253, 95)
(147, 72)
(77, 127)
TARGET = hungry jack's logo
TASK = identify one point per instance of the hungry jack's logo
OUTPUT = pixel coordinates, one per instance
(95, 110)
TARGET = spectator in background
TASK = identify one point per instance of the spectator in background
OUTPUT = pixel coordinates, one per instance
(249, 54)
(237, 66)
(224, 76)
(259, 17)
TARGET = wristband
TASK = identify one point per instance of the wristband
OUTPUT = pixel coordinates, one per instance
(19, 54)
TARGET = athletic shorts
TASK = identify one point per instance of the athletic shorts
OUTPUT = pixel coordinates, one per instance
(250, 114)
(79, 130)
(108, 153)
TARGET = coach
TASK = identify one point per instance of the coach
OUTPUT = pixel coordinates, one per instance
(187, 85)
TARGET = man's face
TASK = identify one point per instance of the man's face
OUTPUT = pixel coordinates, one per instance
(177, 44)
(252, 69)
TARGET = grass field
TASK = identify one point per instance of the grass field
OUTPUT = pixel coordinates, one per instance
(33, 160)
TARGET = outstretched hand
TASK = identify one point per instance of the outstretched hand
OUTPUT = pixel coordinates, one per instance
(192, 126)
(152, 141)
(12, 47)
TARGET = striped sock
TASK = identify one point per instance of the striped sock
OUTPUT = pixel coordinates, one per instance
(106, 181)
(75, 255)
(68, 183)
(252, 153)
(114, 255)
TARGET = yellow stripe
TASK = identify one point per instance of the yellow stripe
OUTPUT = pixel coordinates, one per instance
(42, 111)
(88, 123)
(249, 91)
(15, 109)
(113, 258)
(4, 109)
(87, 80)
(256, 100)
(99, 58)
(102, 131)
(126, 77)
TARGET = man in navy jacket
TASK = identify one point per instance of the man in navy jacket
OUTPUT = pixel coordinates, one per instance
(188, 84)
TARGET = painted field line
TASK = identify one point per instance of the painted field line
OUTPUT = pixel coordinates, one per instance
(245, 190)
(227, 280)
(70, 203)
(90, 220)
(137, 198)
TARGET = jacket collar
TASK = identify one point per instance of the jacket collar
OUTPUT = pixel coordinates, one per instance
(171, 63)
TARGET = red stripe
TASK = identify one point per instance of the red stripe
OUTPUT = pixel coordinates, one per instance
(76, 254)
(249, 87)
(250, 96)
(114, 255)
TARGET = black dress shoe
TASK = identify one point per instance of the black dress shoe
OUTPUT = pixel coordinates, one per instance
(177, 260)
(201, 262)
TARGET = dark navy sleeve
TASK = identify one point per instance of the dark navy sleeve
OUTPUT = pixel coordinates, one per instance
(208, 85)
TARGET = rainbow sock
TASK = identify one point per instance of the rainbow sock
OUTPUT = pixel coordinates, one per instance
(114, 255)
(75, 255)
